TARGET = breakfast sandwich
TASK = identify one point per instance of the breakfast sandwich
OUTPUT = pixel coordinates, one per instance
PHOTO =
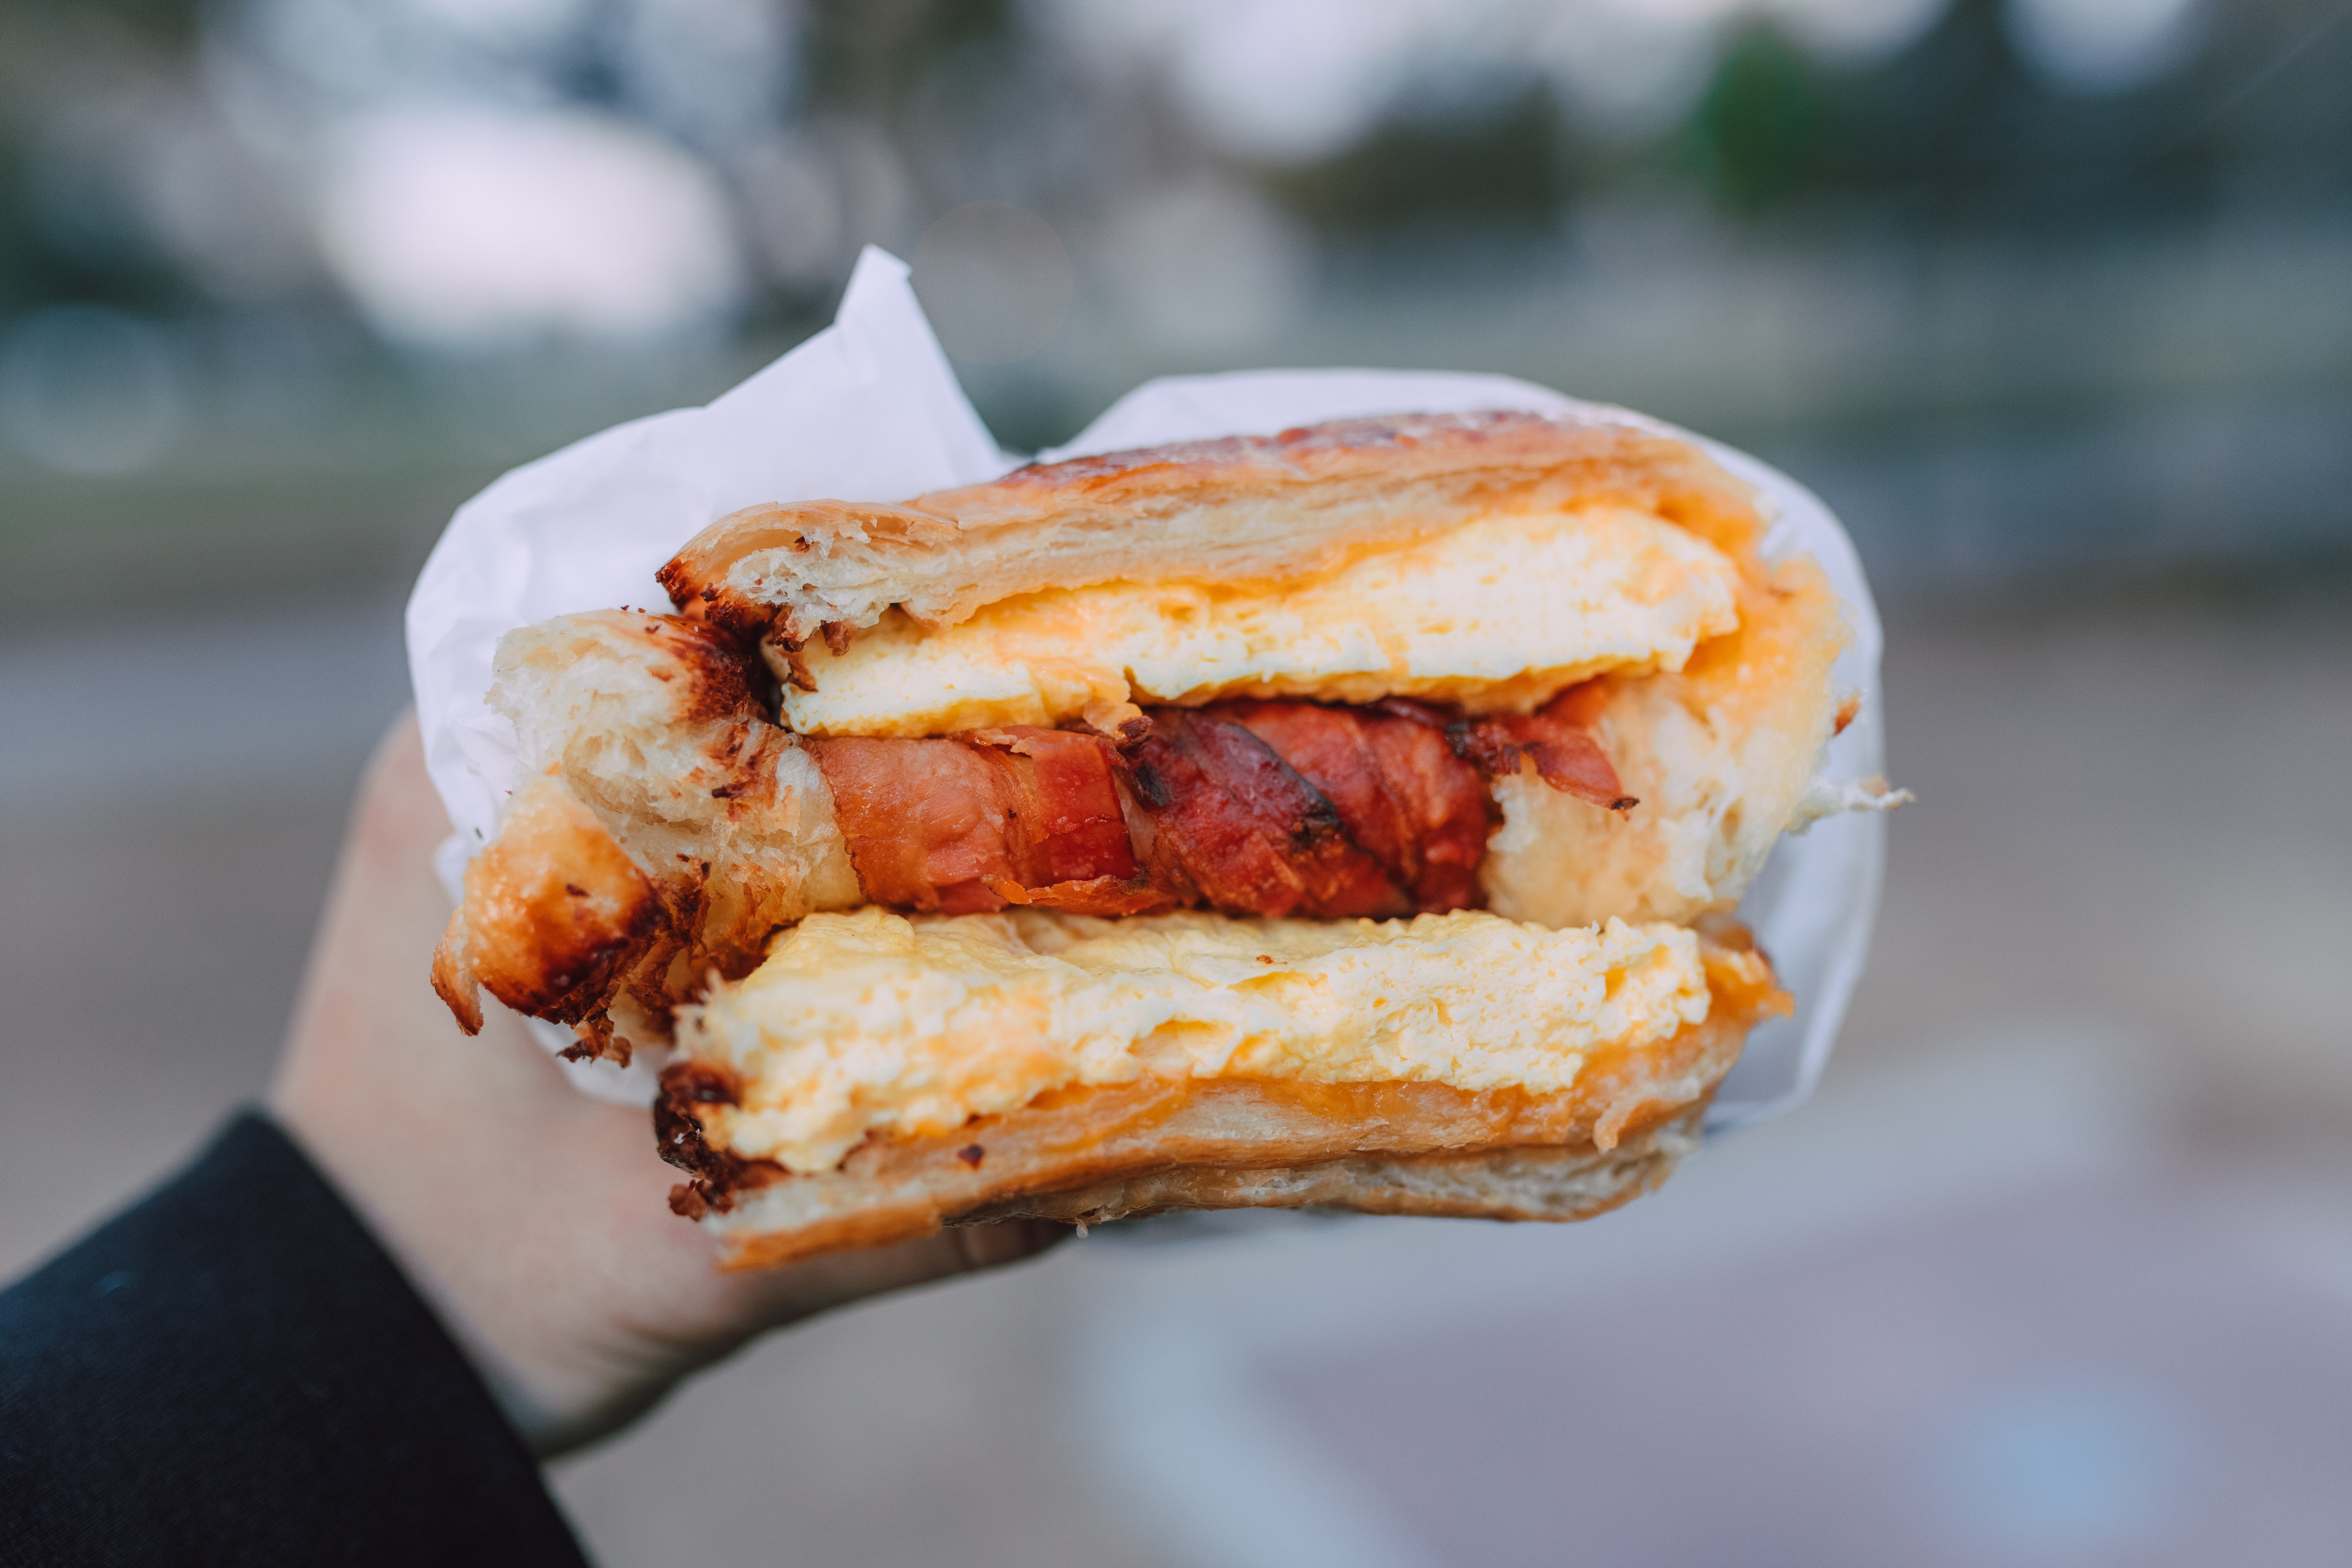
(1350, 817)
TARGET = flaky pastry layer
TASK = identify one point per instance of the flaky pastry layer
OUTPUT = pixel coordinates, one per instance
(1535, 1181)
(1246, 508)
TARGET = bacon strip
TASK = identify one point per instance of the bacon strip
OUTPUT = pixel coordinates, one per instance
(1242, 827)
(1554, 738)
(1068, 778)
(1094, 896)
(1251, 807)
(1401, 792)
(950, 825)
(930, 824)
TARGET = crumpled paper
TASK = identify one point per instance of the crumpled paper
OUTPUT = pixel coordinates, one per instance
(869, 410)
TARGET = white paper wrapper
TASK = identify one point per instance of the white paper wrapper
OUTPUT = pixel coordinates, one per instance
(869, 410)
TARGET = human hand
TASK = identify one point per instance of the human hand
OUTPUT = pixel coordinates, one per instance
(534, 1218)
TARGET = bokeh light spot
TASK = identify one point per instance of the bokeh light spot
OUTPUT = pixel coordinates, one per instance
(463, 226)
(2103, 46)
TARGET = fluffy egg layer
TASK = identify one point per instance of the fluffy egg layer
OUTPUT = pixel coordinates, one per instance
(1497, 615)
(867, 1022)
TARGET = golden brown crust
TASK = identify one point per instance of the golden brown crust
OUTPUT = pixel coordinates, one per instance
(453, 975)
(554, 909)
(1243, 508)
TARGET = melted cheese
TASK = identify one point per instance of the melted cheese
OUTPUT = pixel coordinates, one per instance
(866, 1021)
(1497, 615)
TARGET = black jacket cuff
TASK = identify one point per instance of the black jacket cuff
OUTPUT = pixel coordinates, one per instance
(234, 1371)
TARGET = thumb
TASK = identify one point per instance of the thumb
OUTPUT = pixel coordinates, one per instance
(803, 1290)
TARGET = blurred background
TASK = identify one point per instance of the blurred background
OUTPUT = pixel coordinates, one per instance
(2051, 299)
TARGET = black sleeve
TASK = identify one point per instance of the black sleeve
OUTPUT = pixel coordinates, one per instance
(233, 1372)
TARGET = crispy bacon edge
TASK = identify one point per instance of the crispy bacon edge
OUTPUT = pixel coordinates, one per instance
(1556, 739)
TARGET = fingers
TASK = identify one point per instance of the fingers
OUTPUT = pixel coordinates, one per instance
(398, 813)
(1008, 1241)
(821, 1284)
(368, 1035)
(531, 1215)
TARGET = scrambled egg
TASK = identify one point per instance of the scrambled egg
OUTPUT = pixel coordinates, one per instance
(867, 1020)
(1497, 615)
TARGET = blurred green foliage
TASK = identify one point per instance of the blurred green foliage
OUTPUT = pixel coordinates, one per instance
(1757, 132)
(1492, 155)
